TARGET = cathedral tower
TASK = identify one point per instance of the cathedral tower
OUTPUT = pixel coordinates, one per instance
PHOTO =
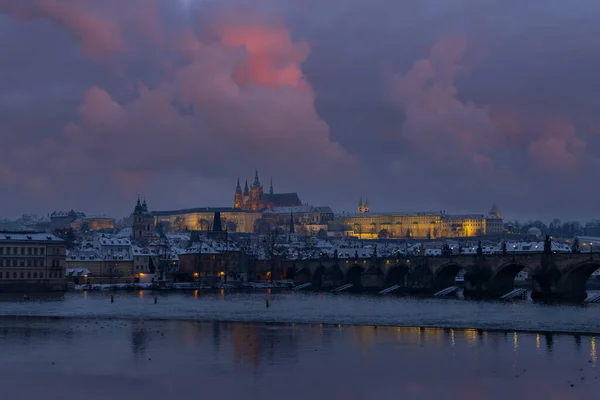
(238, 198)
(361, 208)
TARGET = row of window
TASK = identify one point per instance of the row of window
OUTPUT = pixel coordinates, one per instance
(15, 262)
(30, 251)
(29, 275)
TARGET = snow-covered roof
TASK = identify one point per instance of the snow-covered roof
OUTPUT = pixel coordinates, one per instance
(125, 233)
(109, 241)
(29, 237)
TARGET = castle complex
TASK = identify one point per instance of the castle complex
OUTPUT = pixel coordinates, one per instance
(254, 198)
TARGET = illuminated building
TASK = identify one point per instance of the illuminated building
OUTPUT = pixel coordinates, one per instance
(396, 225)
(93, 223)
(201, 219)
(367, 225)
(254, 198)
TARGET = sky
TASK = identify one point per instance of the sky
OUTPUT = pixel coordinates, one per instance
(419, 105)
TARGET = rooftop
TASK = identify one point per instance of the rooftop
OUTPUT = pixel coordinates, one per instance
(199, 210)
(28, 237)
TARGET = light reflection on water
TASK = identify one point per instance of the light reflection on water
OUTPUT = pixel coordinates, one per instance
(140, 358)
(347, 309)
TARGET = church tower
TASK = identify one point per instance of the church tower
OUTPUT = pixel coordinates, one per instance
(142, 222)
(366, 207)
(246, 196)
(256, 194)
(361, 208)
(238, 198)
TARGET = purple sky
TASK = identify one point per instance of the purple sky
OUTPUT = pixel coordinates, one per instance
(418, 104)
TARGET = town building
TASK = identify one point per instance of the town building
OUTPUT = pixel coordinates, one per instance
(93, 223)
(254, 198)
(494, 224)
(32, 262)
(465, 225)
(211, 260)
(201, 219)
(307, 220)
(391, 225)
(60, 220)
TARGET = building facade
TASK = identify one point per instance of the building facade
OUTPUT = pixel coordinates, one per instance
(201, 219)
(32, 262)
(142, 222)
(93, 224)
(494, 224)
(416, 225)
(62, 219)
(254, 199)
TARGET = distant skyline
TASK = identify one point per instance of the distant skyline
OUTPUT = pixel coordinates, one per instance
(419, 105)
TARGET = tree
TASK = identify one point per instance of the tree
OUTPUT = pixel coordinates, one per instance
(69, 238)
(429, 235)
(85, 227)
(178, 225)
(231, 226)
(384, 234)
(261, 226)
(160, 229)
(322, 234)
(408, 233)
(203, 224)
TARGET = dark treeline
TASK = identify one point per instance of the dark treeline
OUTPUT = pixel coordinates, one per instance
(556, 228)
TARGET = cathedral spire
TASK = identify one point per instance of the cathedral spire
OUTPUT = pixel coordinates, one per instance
(271, 188)
(238, 184)
(256, 181)
(246, 190)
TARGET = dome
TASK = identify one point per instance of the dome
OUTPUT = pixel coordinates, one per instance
(533, 231)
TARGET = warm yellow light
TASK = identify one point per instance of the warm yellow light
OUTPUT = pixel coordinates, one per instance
(141, 274)
(269, 273)
(195, 274)
(85, 276)
(221, 273)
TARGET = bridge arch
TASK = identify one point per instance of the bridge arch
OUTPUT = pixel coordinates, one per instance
(502, 280)
(317, 277)
(333, 276)
(303, 275)
(290, 272)
(575, 277)
(353, 275)
(396, 274)
(445, 275)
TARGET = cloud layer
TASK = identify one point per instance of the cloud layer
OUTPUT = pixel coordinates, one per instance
(447, 105)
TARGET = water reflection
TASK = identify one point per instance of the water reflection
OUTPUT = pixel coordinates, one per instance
(250, 360)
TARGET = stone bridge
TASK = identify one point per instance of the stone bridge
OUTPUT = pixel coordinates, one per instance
(559, 276)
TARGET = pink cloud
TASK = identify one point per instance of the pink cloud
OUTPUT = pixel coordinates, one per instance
(246, 105)
(98, 35)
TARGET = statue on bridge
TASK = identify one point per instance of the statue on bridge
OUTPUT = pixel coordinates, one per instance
(547, 245)
(479, 249)
(575, 248)
(504, 247)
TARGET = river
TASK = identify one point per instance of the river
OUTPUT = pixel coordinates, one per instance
(304, 345)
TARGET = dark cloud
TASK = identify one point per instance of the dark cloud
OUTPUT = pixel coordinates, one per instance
(418, 104)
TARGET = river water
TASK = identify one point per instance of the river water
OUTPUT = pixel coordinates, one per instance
(304, 345)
